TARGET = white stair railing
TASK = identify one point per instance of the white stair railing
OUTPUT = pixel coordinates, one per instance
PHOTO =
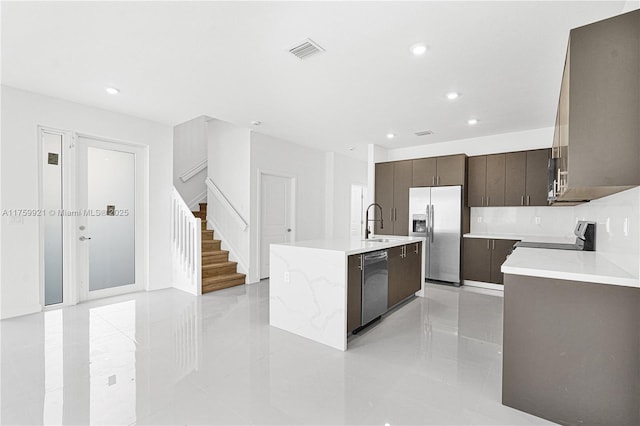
(186, 248)
(229, 225)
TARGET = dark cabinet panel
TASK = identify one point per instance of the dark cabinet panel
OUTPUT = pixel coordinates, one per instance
(354, 292)
(516, 178)
(477, 181)
(537, 181)
(402, 181)
(414, 268)
(451, 170)
(484, 257)
(384, 197)
(495, 180)
(477, 258)
(405, 272)
(396, 275)
(499, 251)
(424, 172)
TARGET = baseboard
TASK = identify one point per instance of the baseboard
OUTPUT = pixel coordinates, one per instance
(481, 284)
(242, 266)
(11, 313)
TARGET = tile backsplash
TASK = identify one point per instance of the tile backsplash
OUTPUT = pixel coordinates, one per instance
(617, 231)
(526, 221)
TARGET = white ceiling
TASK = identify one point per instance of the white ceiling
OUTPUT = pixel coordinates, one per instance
(174, 61)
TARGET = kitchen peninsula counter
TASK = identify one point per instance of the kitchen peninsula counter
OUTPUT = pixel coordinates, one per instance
(308, 285)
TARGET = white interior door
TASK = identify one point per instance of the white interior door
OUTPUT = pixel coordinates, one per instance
(275, 216)
(110, 223)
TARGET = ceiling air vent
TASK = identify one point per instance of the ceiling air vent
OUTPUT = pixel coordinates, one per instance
(424, 133)
(305, 49)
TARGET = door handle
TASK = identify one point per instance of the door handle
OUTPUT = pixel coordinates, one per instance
(493, 244)
(433, 215)
(522, 200)
(487, 244)
(288, 229)
(360, 266)
(83, 238)
(438, 180)
(428, 222)
(390, 214)
(482, 201)
(416, 249)
(433, 180)
(528, 200)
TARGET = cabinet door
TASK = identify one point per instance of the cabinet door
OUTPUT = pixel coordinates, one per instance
(414, 268)
(354, 292)
(499, 251)
(396, 275)
(477, 259)
(477, 181)
(451, 170)
(537, 180)
(402, 180)
(384, 197)
(424, 172)
(515, 179)
(495, 180)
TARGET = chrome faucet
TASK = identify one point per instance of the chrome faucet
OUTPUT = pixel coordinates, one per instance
(366, 220)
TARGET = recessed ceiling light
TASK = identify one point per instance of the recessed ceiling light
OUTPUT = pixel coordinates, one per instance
(112, 90)
(256, 123)
(419, 49)
(391, 135)
(472, 121)
(453, 95)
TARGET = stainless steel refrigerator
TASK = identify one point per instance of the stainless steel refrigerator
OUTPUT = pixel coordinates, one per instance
(435, 213)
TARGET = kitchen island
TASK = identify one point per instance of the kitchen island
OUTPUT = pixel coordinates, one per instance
(309, 284)
(571, 346)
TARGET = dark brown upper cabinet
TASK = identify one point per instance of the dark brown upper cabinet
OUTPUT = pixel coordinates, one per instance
(486, 180)
(596, 141)
(511, 179)
(393, 181)
(439, 171)
(526, 178)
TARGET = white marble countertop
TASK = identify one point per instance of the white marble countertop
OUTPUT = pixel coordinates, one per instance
(587, 266)
(532, 238)
(355, 245)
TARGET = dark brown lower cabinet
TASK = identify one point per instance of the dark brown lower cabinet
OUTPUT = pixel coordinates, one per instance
(354, 292)
(484, 257)
(405, 272)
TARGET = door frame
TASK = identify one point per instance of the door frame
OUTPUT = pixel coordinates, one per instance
(141, 156)
(69, 287)
(292, 212)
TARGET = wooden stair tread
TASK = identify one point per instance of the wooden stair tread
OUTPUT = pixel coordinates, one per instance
(223, 278)
(222, 281)
(219, 265)
(214, 252)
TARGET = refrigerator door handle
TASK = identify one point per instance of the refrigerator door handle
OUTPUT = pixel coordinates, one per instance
(433, 215)
(428, 222)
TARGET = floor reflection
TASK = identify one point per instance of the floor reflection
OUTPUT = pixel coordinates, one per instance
(166, 357)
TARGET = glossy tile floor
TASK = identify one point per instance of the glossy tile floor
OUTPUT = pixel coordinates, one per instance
(167, 358)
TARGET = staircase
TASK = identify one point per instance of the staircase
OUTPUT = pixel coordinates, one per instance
(217, 271)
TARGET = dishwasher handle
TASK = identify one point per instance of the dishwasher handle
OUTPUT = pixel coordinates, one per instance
(375, 256)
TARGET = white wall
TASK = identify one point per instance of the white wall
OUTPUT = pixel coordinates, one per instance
(229, 156)
(504, 142)
(342, 172)
(308, 166)
(190, 140)
(22, 112)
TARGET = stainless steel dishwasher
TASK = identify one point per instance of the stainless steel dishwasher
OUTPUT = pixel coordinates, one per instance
(375, 285)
